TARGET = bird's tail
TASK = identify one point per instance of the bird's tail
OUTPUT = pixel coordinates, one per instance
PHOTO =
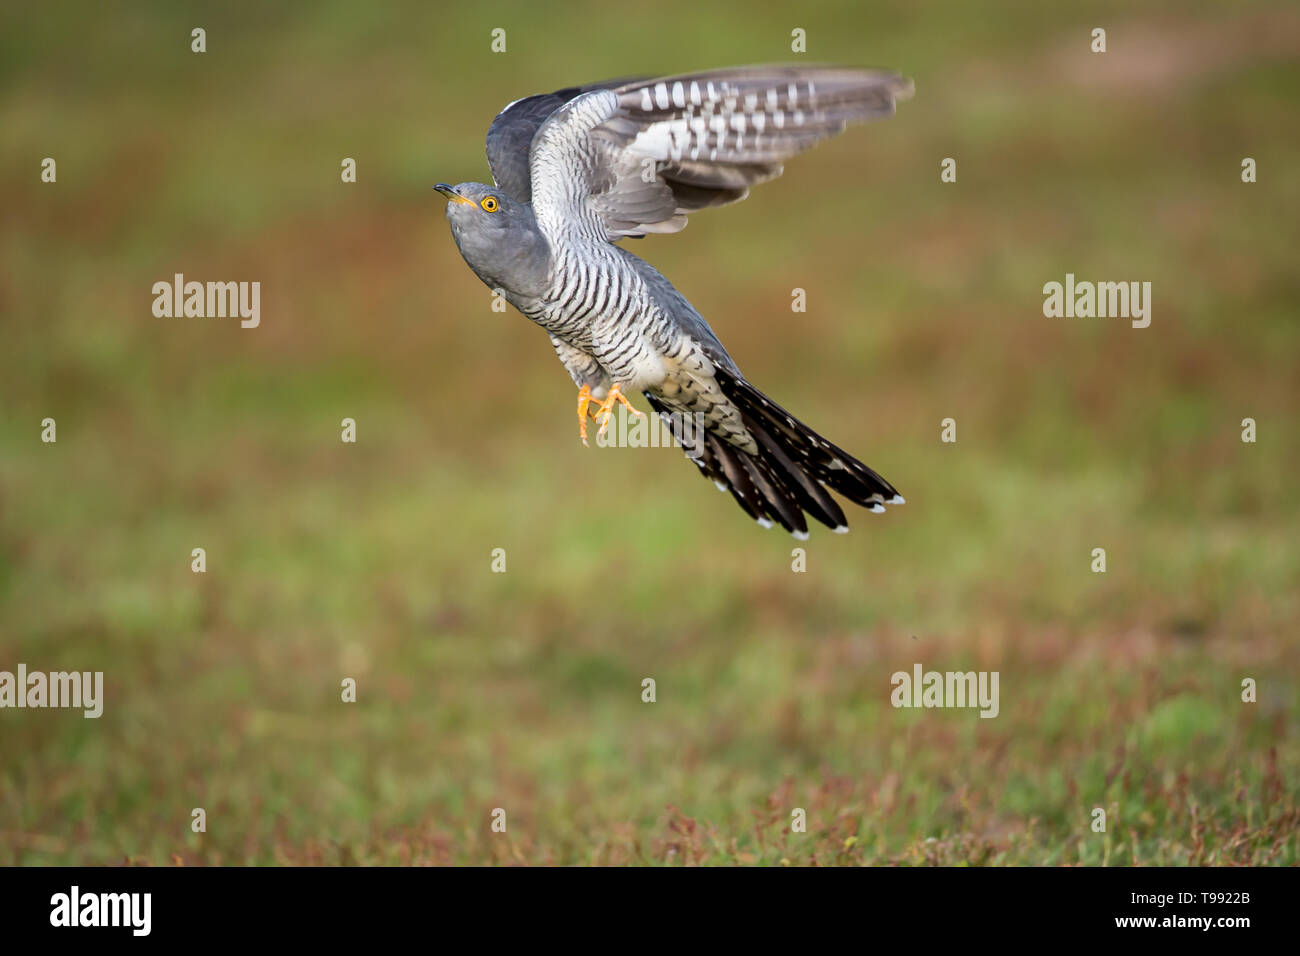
(792, 470)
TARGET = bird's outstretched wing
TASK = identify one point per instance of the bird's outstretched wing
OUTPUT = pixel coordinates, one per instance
(639, 157)
(511, 135)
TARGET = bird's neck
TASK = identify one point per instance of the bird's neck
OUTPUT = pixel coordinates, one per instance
(521, 266)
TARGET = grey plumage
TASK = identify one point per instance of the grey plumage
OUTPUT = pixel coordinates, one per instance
(510, 136)
(580, 169)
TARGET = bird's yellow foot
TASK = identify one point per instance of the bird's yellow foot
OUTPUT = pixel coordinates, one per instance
(604, 409)
(584, 406)
(614, 397)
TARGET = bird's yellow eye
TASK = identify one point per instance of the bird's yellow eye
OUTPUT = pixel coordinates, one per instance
(489, 204)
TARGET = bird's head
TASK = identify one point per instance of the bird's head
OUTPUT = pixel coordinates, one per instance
(497, 235)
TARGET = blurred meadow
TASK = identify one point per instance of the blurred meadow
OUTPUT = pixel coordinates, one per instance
(522, 690)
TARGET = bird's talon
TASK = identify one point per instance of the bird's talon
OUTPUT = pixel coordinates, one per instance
(601, 410)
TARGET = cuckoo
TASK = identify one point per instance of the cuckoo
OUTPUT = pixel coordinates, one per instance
(578, 170)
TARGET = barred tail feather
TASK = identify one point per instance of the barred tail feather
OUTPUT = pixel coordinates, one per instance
(792, 470)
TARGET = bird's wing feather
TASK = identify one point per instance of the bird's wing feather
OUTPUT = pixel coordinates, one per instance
(685, 316)
(642, 156)
(512, 131)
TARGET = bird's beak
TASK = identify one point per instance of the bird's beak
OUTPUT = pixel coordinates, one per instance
(451, 193)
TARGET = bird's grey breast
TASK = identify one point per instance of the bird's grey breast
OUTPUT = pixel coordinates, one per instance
(508, 254)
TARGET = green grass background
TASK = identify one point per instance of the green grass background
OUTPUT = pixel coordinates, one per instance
(522, 690)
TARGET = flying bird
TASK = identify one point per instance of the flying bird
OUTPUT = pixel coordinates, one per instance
(578, 170)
